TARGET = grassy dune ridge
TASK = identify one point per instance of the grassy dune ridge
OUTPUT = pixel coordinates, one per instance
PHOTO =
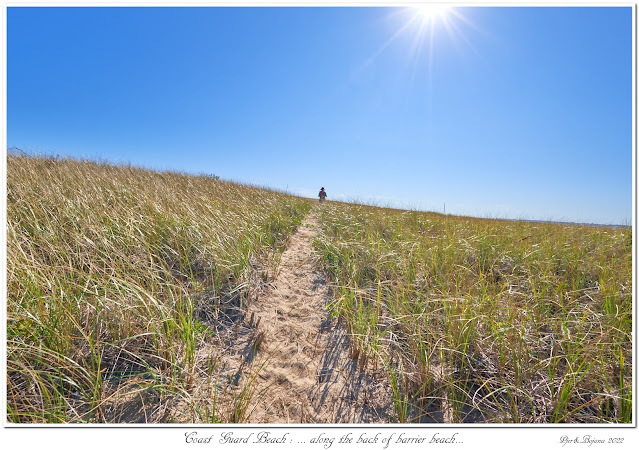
(122, 282)
(485, 320)
(109, 268)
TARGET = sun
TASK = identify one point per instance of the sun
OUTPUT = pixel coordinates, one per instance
(431, 11)
(426, 21)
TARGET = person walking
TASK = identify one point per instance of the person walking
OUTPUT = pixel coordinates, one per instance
(322, 195)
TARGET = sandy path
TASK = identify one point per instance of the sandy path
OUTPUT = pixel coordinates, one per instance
(307, 375)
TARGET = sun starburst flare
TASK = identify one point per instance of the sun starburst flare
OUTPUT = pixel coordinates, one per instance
(431, 11)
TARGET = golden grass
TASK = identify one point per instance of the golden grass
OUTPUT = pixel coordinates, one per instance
(110, 271)
(121, 282)
(479, 320)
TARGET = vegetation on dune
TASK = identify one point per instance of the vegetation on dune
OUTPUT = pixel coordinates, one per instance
(110, 272)
(485, 320)
(121, 282)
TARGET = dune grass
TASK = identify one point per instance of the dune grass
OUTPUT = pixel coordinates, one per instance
(110, 270)
(122, 281)
(478, 320)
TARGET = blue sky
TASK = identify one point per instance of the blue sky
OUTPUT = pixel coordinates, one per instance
(516, 112)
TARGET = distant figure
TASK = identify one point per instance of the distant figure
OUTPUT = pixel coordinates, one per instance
(322, 195)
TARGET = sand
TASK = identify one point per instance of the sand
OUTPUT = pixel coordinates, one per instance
(296, 357)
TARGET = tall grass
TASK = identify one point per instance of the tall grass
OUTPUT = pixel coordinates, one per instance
(110, 270)
(486, 320)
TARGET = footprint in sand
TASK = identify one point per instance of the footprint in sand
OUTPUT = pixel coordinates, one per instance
(310, 378)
